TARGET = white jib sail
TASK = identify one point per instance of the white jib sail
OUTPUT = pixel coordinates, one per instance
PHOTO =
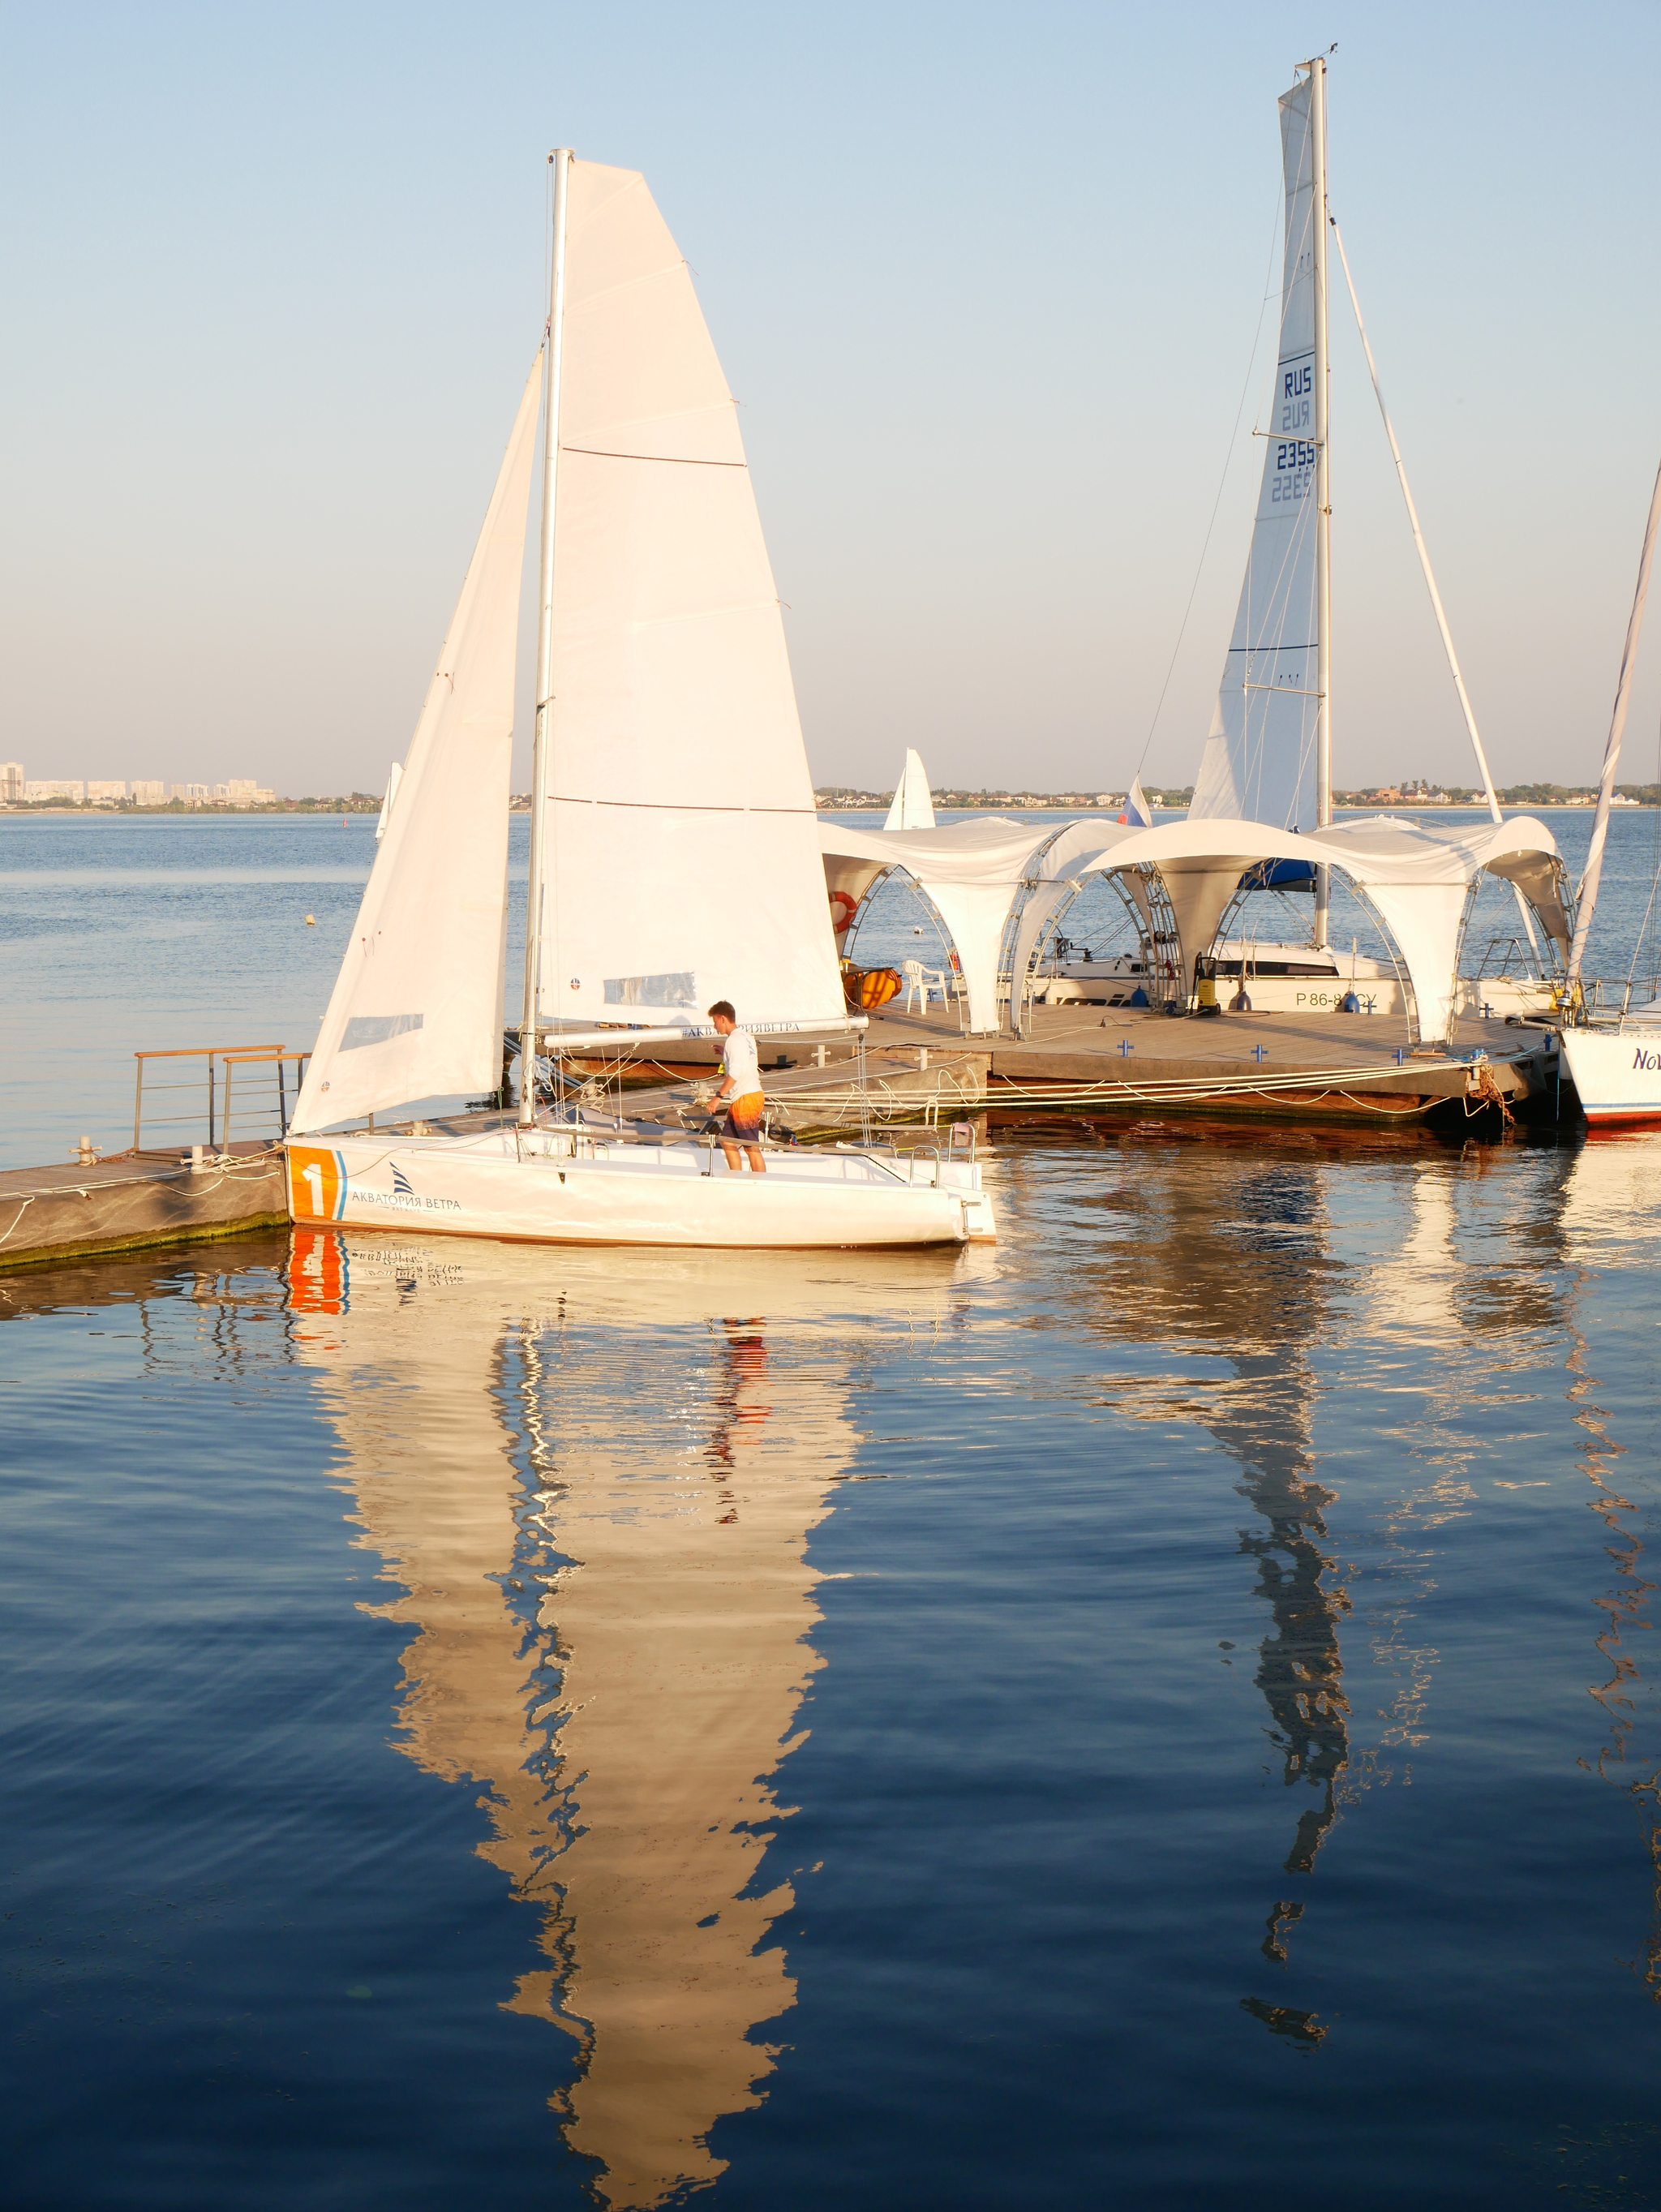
(683, 846)
(1259, 759)
(417, 1006)
(912, 807)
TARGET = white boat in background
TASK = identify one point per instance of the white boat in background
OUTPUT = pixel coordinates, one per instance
(1253, 976)
(912, 805)
(674, 835)
(1614, 1066)
(1262, 814)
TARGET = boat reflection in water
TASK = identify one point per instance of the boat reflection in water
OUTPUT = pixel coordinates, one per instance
(1234, 1261)
(1611, 1212)
(1231, 1261)
(596, 1478)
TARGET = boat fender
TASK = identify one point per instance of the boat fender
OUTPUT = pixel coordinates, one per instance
(1349, 1004)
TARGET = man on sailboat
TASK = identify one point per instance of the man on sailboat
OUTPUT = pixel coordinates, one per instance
(740, 1083)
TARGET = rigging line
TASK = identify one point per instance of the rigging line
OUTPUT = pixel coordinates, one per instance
(1228, 458)
(1430, 578)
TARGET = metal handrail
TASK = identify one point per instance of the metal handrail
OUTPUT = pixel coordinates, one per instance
(210, 1053)
(259, 1056)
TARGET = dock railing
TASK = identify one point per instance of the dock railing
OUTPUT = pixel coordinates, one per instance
(205, 1092)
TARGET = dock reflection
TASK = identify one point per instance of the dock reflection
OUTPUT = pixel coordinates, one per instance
(596, 1479)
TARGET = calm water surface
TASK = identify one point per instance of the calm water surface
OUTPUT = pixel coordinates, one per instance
(1149, 1715)
(1162, 1712)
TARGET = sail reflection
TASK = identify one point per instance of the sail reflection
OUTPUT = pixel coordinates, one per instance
(1233, 1261)
(596, 1484)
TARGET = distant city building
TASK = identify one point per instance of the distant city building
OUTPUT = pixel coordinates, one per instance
(11, 782)
(149, 794)
(105, 794)
(56, 788)
(241, 791)
(193, 794)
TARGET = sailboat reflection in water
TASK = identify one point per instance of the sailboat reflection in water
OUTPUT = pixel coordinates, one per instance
(596, 1488)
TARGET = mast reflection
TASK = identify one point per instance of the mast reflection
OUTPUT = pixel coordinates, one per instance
(1233, 1261)
(597, 1489)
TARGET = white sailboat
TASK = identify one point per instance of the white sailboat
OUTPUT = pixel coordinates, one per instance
(912, 805)
(1261, 814)
(673, 836)
(1615, 1067)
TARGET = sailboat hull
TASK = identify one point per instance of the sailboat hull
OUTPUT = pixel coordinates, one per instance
(559, 1187)
(1616, 1075)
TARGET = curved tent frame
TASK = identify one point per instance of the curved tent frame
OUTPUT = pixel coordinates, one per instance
(1415, 878)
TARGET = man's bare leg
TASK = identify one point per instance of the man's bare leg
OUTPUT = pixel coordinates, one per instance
(756, 1160)
(730, 1154)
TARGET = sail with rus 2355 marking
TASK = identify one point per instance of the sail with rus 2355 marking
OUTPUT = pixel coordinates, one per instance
(416, 1009)
(683, 861)
(1259, 759)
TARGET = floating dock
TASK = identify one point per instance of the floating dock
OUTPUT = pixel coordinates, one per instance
(914, 1068)
(134, 1199)
(1352, 1067)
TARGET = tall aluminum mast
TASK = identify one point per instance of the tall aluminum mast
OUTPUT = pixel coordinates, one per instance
(1317, 69)
(553, 364)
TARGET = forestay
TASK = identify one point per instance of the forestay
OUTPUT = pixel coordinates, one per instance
(682, 833)
(417, 1009)
(1260, 756)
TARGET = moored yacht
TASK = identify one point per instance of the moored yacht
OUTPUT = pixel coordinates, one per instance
(674, 851)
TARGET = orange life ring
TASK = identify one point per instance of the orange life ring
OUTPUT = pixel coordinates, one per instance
(843, 907)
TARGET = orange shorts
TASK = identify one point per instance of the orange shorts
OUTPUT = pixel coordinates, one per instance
(743, 1119)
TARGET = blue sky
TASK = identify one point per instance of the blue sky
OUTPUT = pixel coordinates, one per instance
(985, 280)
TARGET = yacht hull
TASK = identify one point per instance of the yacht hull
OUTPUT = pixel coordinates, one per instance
(1616, 1075)
(551, 1187)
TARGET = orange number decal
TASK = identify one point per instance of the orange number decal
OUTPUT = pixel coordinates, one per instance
(317, 1183)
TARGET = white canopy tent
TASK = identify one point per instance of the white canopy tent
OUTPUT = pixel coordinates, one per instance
(1416, 878)
(975, 872)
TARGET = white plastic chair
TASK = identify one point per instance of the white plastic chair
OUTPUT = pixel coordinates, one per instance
(921, 981)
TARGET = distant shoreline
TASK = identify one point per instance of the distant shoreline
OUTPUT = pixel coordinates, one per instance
(324, 810)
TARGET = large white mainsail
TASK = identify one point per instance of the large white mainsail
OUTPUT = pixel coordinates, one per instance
(681, 834)
(1259, 763)
(417, 1009)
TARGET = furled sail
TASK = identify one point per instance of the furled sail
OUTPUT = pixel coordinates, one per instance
(913, 802)
(1259, 759)
(681, 836)
(416, 1009)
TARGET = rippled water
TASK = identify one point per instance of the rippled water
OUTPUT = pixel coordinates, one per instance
(1160, 1712)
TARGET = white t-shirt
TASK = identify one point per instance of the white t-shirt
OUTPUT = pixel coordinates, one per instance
(738, 1060)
